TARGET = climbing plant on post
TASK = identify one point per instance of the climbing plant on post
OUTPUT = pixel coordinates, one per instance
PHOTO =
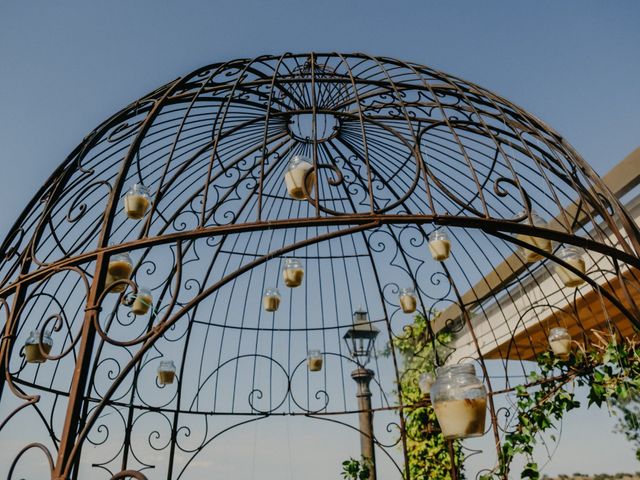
(429, 454)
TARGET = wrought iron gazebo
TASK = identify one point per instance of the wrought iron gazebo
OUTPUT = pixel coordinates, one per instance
(348, 163)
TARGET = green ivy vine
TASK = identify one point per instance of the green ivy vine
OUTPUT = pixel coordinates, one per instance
(428, 452)
(611, 372)
(353, 469)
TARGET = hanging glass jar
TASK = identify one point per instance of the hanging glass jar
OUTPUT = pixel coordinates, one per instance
(296, 176)
(271, 299)
(573, 257)
(120, 268)
(426, 381)
(460, 401)
(142, 302)
(560, 342)
(542, 243)
(166, 372)
(439, 245)
(314, 360)
(292, 272)
(34, 351)
(137, 201)
(408, 300)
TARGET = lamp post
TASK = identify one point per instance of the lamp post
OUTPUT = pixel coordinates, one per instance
(360, 339)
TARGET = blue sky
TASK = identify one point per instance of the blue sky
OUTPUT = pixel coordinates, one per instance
(67, 65)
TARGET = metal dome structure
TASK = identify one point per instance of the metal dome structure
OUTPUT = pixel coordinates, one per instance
(394, 151)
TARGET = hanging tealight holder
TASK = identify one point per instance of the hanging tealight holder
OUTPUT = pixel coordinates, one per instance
(166, 372)
(314, 360)
(560, 342)
(119, 268)
(439, 245)
(299, 174)
(292, 272)
(572, 256)
(137, 201)
(542, 243)
(271, 299)
(34, 351)
(459, 400)
(142, 302)
(408, 300)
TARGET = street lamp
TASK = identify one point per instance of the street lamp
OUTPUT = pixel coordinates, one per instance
(360, 339)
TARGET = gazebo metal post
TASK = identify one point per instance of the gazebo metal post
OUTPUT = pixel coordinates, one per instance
(77, 393)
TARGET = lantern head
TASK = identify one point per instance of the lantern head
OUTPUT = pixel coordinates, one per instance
(361, 336)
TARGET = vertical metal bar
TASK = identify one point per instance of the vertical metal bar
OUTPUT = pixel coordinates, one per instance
(314, 132)
(73, 418)
(77, 392)
(263, 150)
(485, 373)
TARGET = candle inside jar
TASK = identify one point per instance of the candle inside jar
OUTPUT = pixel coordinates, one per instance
(271, 303)
(166, 377)
(136, 206)
(440, 249)
(118, 270)
(142, 304)
(315, 364)
(561, 347)
(296, 176)
(136, 201)
(541, 243)
(408, 303)
(34, 353)
(293, 277)
(461, 418)
(569, 278)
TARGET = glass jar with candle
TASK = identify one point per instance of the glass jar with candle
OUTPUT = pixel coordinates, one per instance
(120, 268)
(271, 299)
(292, 272)
(296, 176)
(439, 245)
(542, 243)
(314, 360)
(459, 400)
(142, 302)
(166, 372)
(573, 257)
(426, 381)
(408, 300)
(34, 350)
(137, 201)
(560, 342)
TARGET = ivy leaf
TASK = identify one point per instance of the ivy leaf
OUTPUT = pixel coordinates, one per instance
(530, 471)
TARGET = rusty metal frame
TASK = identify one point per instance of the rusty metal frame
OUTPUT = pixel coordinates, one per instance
(414, 149)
